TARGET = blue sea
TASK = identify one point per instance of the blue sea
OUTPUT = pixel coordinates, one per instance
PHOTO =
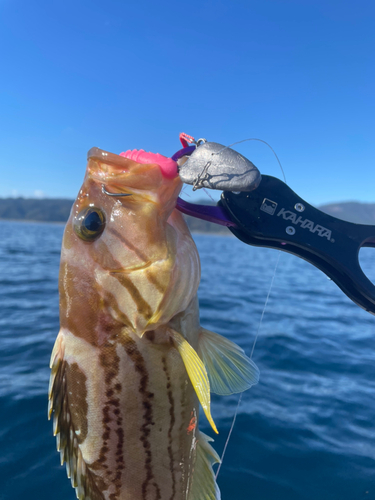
(305, 432)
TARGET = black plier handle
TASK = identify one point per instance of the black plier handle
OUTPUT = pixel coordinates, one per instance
(273, 216)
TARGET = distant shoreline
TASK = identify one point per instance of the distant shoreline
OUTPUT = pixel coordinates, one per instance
(57, 223)
(57, 211)
(31, 221)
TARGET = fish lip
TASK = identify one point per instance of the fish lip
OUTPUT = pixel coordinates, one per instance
(105, 156)
(129, 270)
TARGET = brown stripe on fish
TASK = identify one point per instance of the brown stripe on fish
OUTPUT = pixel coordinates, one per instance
(103, 256)
(78, 406)
(128, 244)
(161, 287)
(171, 425)
(182, 429)
(147, 399)
(183, 391)
(67, 439)
(111, 414)
(153, 279)
(110, 300)
(150, 335)
(111, 264)
(142, 306)
(80, 321)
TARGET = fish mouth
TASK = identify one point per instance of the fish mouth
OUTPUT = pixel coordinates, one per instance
(128, 270)
(168, 166)
(105, 156)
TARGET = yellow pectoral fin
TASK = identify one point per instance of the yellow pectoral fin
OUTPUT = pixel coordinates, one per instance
(197, 373)
(229, 369)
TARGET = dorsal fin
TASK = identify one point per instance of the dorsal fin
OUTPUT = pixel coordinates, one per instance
(67, 444)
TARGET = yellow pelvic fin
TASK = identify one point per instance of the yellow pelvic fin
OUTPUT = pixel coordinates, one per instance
(229, 369)
(197, 373)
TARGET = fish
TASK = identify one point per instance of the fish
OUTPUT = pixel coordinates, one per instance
(131, 364)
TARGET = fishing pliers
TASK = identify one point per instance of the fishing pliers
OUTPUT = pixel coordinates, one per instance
(263, 211)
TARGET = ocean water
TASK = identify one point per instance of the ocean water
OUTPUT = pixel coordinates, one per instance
(305, 432)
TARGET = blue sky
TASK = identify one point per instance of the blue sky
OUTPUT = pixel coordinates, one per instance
(121, 75)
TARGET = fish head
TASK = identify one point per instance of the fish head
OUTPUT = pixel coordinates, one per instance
(127, 261)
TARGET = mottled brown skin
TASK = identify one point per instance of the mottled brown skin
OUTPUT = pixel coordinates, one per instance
(120, 384)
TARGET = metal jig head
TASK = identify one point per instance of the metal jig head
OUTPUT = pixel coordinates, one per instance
(215, 166)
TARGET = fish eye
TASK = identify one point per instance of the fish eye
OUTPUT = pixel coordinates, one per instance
(89, 223)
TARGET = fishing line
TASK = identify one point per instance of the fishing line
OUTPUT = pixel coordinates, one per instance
(229, 435)
(263, 311)
(259, 140)
(265, 304)
(251, 355)
(183, 191)
(208, 194)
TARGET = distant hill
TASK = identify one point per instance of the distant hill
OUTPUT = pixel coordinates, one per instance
(33, 209)
(352, 211)
(57, 210)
